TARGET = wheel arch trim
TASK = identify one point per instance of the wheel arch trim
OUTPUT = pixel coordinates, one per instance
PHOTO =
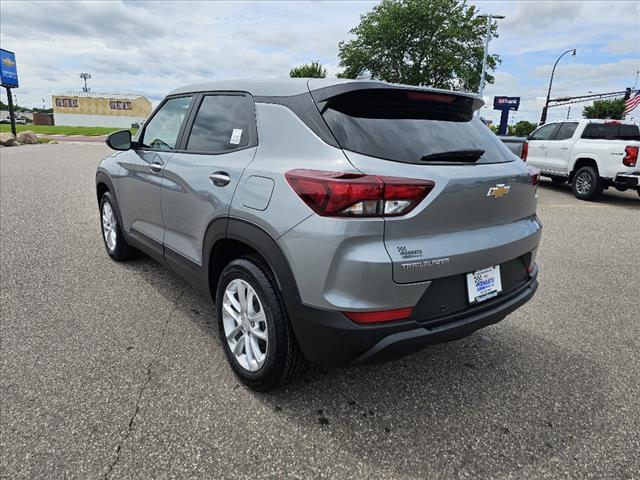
(258, 239)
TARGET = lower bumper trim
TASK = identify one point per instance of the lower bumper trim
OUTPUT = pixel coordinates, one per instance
(413, 340)
(329, 338)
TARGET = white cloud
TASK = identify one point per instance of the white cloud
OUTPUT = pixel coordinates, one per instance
(152, 47)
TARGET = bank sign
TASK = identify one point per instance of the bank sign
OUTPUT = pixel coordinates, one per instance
(506, 103)
(8, 69)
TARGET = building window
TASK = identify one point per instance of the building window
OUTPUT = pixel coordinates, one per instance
(117, 105)
(67, 102)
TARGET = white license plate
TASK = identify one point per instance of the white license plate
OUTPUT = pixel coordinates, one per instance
(484, 284)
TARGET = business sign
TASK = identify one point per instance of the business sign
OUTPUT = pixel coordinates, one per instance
(506, 103)
(8, 69)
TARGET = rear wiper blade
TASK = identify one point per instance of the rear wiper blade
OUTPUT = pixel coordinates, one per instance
(466, 156)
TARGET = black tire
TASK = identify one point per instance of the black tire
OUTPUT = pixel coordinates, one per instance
(122, 250)
(638, 192)
(558, 180)
(587, 185)
(284, 360)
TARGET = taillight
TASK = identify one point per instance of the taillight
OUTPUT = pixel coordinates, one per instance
(335, 194)
(534, 173)
(525, 151)
(631, 156)
(379, 316)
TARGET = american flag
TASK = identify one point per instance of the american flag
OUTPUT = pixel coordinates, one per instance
(632, 103)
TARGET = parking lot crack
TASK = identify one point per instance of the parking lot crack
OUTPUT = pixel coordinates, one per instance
(147, 381)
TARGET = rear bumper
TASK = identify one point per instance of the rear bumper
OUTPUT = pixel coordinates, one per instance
(628, 179)
(329, 338)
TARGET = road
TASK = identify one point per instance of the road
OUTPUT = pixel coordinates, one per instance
(113, 370)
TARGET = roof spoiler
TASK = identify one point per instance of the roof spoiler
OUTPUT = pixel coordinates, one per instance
(321, 93)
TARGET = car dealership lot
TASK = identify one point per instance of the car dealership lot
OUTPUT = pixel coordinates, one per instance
(115, 369)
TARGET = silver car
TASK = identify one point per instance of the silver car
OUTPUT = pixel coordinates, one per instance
(334, 222)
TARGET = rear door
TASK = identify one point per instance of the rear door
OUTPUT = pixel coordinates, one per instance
(200, 179)
(538, 143)
(558, 149)
(141, 175)
(481, 211)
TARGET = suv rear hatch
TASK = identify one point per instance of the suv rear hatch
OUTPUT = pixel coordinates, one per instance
(481, 211)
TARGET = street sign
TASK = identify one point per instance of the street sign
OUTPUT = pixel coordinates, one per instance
(8, 69)
(506, 103)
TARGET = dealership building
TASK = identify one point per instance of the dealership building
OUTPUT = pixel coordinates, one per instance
(96, 109)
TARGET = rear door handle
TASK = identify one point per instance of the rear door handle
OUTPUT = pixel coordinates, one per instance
(564, 148)
(220, 179)
(155, 167)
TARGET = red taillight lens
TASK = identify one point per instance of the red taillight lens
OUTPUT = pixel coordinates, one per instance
(534, 173)
(631, 156)
(380, 316)
(525, 151)
(335, 194)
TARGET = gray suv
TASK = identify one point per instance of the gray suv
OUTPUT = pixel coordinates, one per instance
(333, 222)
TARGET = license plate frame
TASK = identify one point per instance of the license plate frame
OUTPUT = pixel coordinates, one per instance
(484, 284)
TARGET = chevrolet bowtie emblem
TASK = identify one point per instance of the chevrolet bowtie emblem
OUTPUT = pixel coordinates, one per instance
(499, 190)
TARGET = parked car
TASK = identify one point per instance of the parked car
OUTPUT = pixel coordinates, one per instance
(19, 120)
(592, 155)
(336, 222)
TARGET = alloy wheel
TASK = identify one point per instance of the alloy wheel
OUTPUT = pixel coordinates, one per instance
(583, 183)
(245, 325)
(109, 224)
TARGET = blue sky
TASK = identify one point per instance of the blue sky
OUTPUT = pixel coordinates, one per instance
(152, 47)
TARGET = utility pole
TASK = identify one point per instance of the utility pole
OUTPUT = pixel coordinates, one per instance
(85, 76)
(487, 38)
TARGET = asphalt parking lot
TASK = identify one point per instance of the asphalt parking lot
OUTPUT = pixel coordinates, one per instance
(114, 370)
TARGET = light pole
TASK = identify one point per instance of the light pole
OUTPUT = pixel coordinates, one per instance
(487, 38)
(543, 118)
(85, 76)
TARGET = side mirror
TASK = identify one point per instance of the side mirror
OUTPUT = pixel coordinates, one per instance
(120, 140)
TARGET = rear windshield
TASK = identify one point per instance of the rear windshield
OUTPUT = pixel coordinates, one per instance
(611, 131)
(409, 126)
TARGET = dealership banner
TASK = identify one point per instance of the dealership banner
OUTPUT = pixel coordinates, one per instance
(8, 69)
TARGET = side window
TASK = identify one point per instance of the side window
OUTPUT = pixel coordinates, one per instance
(544, 133)
(566, 130)
(223, 123)
(629, 132)
(600, 130)
(161, 132)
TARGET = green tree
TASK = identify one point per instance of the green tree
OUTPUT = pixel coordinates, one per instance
(309, 70)
(522, 128)
(437, 43)
(613, 108)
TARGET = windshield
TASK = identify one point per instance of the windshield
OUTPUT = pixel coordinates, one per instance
(412, 127)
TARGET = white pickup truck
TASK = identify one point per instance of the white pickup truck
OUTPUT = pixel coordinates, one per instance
(590, 154)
